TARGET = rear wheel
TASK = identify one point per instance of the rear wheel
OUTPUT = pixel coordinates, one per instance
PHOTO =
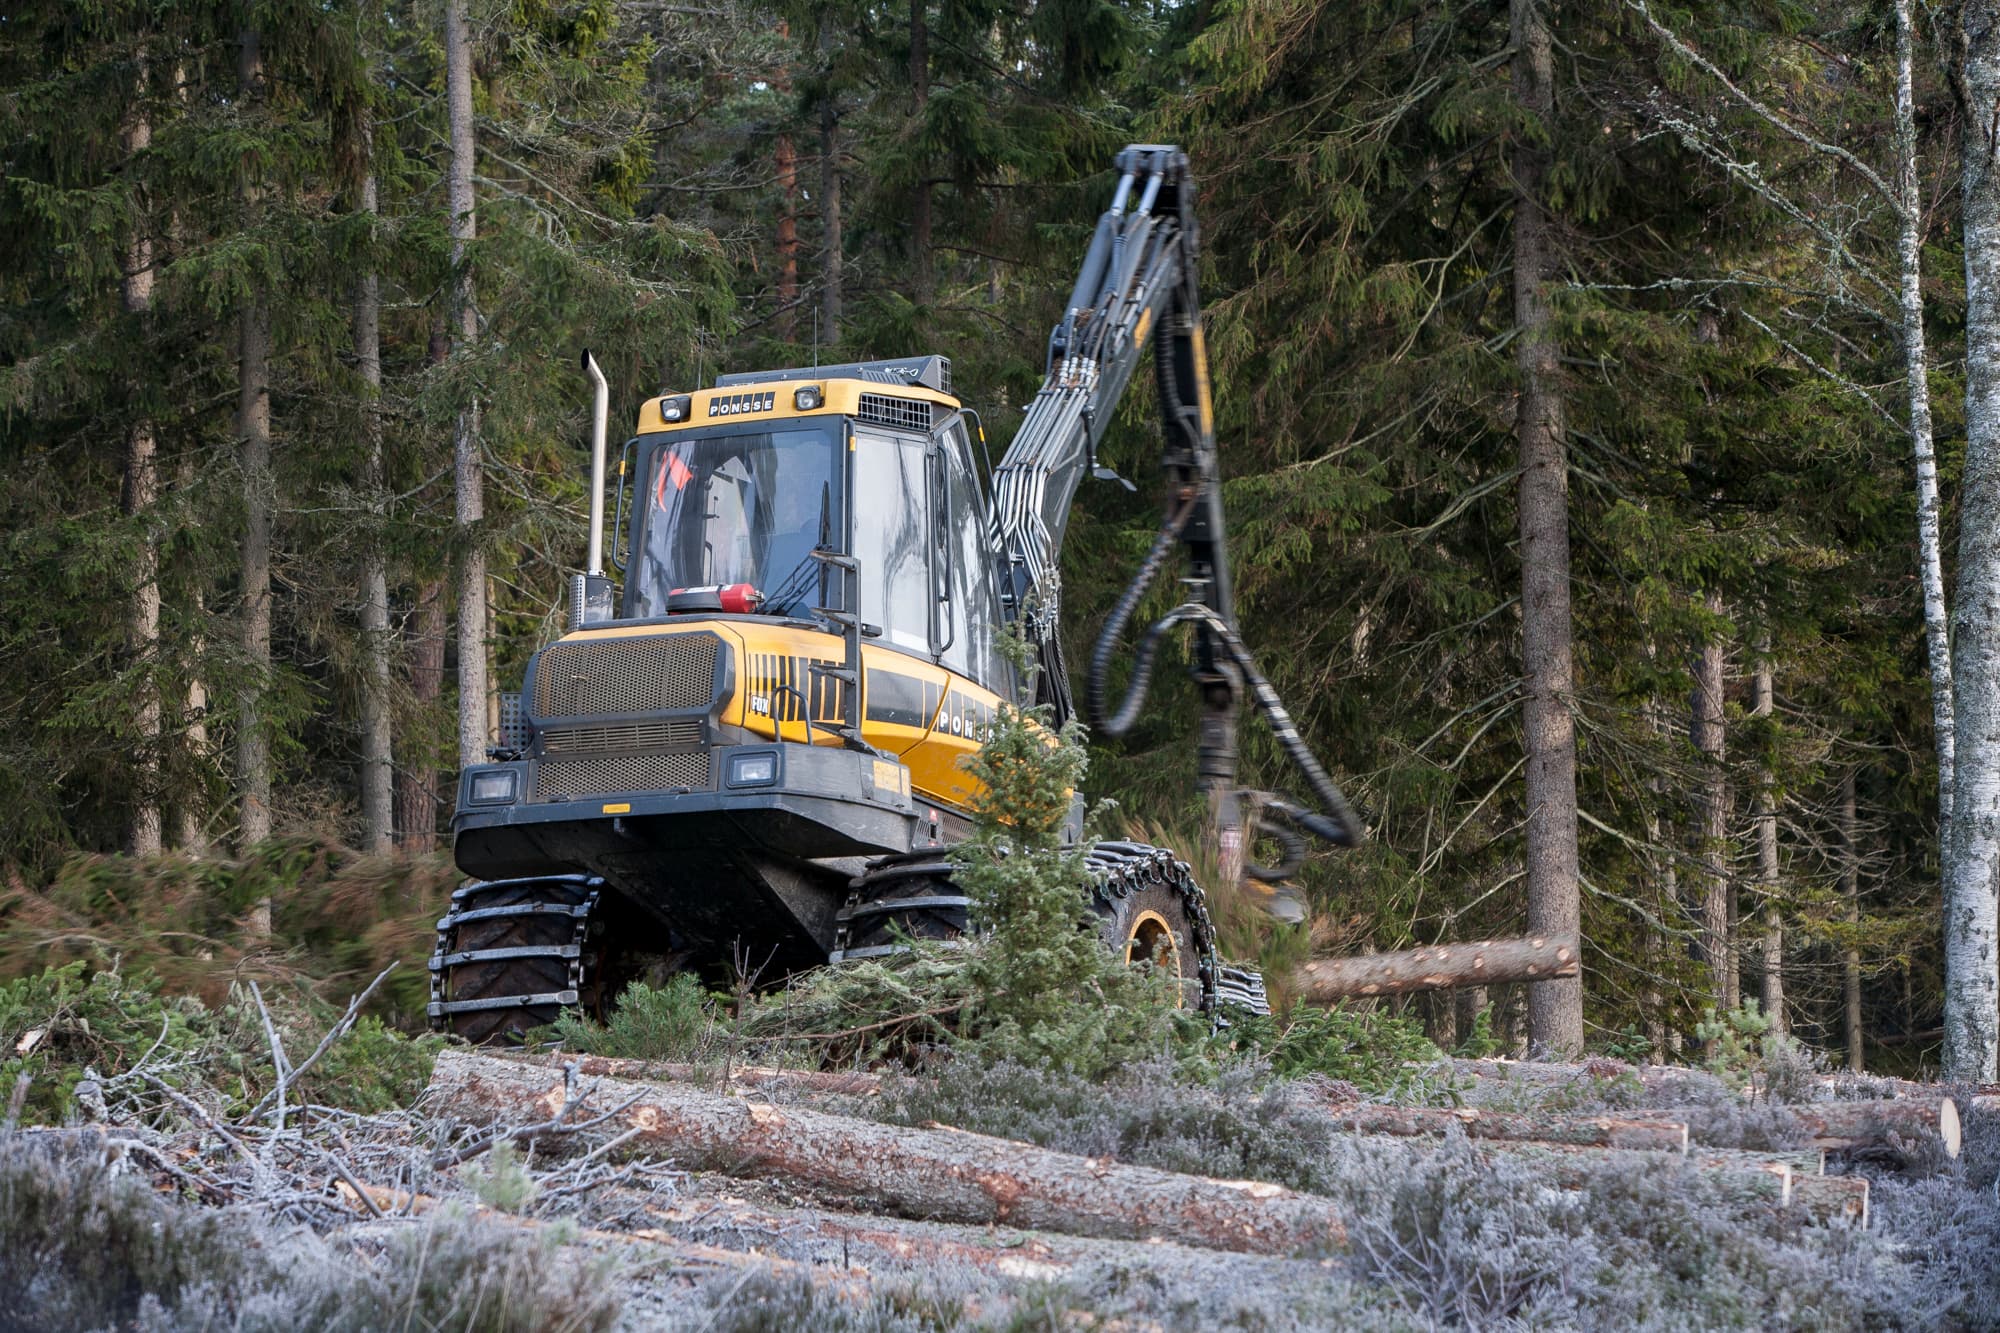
(513, 954)
(1147, 906)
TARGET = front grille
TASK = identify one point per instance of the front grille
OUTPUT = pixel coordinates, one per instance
(886, 410)
(656, 674)
(631, 736)
(566, 779)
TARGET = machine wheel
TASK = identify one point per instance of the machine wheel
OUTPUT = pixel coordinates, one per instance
(1150, 910)
(512, 954)
(908, 895)
(1146, 901)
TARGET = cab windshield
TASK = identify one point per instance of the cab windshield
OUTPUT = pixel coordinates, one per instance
(745, 507)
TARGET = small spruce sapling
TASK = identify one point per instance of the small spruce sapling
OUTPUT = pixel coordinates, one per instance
(1046, 990)
(1750, 1056)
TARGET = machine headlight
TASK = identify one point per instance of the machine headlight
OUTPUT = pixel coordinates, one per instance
(676, 408)
(494, 788)
(751, 770)
(808, 398)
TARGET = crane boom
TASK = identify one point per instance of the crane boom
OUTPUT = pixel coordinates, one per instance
(1137, 284)
(1138, 288)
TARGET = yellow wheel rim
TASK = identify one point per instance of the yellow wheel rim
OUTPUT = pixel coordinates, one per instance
(1151, 939)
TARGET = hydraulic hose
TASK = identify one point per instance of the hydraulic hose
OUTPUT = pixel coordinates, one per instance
(1120, 722)
(1334, 820)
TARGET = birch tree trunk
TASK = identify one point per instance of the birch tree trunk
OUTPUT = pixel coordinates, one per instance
(1712, 820)
(1916, 378)
(1972, 967)
(141, 492)
(1555, 1008)
(1767, 862)
(1850, 894)
(253, 431)
(378, 828)
(467, 473)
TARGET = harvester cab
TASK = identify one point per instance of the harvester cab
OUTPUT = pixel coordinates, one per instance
(753, 747)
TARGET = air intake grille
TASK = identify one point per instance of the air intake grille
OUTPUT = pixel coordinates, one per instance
(660, 673)
(566, 779)
(885, 410)
(636, 736)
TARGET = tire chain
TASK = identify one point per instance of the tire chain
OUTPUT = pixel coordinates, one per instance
(466, 894)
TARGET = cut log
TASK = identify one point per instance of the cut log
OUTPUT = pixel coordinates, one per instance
(1580, 1131)
(1746, 1178)
(926, 1173)
(1844, 1126)
(1437, 967)
(1598, 1073)
(856, 1084)
(1832, 1198)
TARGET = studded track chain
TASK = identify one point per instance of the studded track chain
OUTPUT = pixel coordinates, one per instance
(575, 896)
(1117, 870)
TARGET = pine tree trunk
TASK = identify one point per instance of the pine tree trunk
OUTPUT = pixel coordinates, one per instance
(1971, 931)
(141, 492)
(1767, 865)
(467, 473)
(190, 817)
(1652, 949)
(417, 797)
(785, 164)
(1850, 894)
(378, 826)
(253, 431)
(1665, 876)
(1705, 730)
(832, 260)
(1442, 1013)
(1468, 1003)
(1555, 1008)
(1916, 377)
(921, 280)
(788, 239)
(190, 807)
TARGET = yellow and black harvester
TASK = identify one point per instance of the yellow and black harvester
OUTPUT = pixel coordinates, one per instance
(753, 748)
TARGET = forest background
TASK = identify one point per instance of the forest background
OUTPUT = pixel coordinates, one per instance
(293, 428)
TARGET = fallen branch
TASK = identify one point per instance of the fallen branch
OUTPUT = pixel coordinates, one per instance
(938, 1173)
(1438, 967)
(333, 1034)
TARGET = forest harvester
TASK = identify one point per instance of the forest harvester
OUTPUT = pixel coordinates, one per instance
(753, 750)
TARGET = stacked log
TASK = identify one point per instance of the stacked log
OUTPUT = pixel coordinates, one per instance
(940, 1173)
(1657, 1135)
(1845, 1126)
